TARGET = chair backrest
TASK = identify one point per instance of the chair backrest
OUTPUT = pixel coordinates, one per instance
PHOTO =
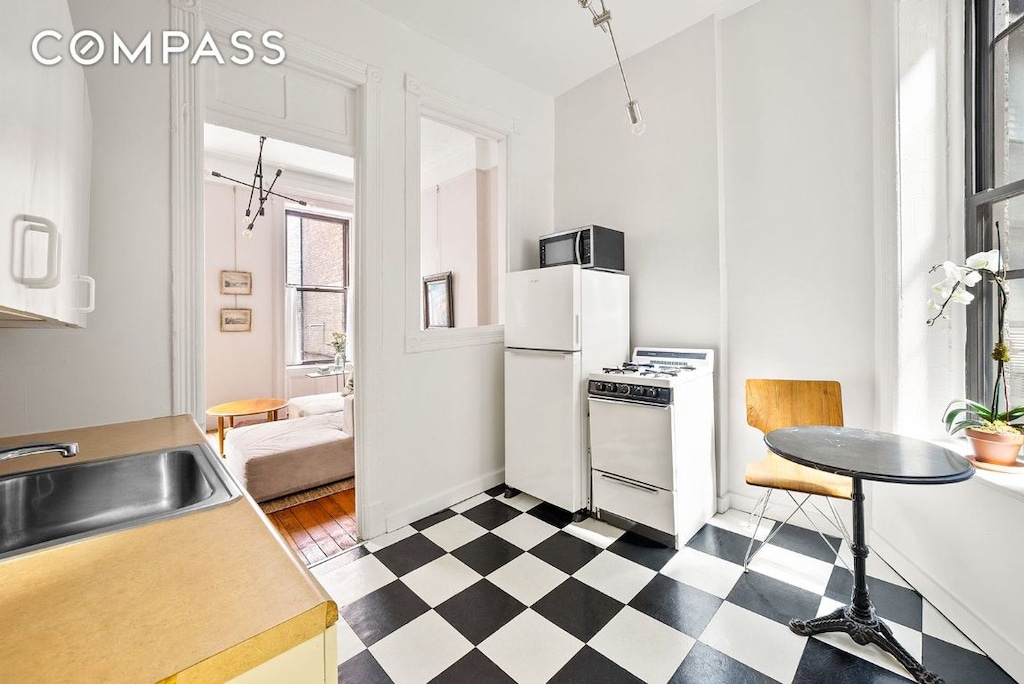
(773, 404)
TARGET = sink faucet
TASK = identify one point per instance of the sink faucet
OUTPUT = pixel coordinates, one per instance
(66, 450)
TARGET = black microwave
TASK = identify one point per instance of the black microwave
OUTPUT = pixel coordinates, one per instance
(589, 246)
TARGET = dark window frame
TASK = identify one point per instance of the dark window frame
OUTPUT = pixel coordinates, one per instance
(981, 40)
(339, 289)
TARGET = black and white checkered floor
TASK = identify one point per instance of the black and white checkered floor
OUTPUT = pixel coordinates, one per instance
(501, 590)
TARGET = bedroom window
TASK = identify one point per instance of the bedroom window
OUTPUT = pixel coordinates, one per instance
(316, 285)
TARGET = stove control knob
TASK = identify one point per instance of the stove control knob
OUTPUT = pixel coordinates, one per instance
(651, 392)
(638, 391)
(600, 386)
(623, 389)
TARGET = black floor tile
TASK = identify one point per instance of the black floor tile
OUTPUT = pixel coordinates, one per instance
(479, 611)
(678, 605)
(487, 553)
(473, 667)
(721, 543)
(380, 613)
(955, 664)
(407, 555)
(362, 669)
(641, 550)
(806, 542)
(891, 602)
(590, 666)
(772, 598)
(705, 665)
(823, 662)
(499, 490)
(491, 514)
(551, 514)
(578, 609)
(565, 552)
(432, 520)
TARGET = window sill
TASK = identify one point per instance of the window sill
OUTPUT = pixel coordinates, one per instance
(452, 338)
(1010, 484)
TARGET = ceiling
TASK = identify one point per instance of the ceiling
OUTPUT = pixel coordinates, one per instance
(240, 146)
(549, 45)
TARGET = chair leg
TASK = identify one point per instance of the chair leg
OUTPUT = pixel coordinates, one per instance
(837, 523)
(753, 533)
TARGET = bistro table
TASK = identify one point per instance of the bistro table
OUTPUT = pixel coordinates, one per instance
(867, 455)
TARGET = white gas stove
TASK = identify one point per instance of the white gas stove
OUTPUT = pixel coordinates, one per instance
(652, 442)
(652, 374)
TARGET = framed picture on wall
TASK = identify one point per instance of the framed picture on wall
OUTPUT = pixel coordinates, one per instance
(236, 282)
(235, 320)
(438, 306)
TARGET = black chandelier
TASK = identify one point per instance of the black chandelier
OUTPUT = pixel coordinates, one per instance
(257, 184)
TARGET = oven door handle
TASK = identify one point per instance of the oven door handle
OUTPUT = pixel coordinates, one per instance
(628, 483)
(626, 400)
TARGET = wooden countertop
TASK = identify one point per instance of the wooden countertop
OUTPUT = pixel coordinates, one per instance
(203, 597)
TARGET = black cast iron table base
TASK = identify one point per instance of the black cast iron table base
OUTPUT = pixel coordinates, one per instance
(871, 631)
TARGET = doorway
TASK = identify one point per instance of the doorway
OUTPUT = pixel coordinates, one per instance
(279, 226)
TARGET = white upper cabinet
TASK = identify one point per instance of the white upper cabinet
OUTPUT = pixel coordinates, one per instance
(45, 166)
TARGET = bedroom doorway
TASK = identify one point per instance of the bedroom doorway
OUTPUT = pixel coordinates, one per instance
(279, 225)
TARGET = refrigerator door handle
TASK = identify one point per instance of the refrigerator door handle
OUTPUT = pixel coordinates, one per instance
(576, 330)
(519, 350)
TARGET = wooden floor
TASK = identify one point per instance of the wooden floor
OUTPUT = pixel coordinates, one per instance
(319, 529)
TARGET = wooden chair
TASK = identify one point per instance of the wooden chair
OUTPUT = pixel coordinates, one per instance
(773, 404)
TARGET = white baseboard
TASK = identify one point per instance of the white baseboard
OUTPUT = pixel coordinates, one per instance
(723, 503)
(1008, 656)
(781, 506)
(442, 500)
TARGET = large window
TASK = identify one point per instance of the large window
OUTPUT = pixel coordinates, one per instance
(995, 180)
(316, 285)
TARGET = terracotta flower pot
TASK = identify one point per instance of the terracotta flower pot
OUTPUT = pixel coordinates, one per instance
(995, 448)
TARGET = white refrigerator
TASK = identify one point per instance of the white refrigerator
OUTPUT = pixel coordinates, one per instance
(561, 324)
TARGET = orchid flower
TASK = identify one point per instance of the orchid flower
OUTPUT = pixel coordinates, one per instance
(989, 261)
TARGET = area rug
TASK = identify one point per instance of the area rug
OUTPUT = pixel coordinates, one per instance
(280, 503)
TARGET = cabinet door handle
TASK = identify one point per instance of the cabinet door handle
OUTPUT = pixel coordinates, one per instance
(47, 227)
(634, 485)
(91, 283)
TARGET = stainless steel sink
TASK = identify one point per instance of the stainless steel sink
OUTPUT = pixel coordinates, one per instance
(65, 503)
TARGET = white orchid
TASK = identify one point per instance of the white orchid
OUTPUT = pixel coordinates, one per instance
(989, 261)
(961, 296)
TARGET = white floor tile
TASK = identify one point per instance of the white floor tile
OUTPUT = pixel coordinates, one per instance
(471, 502)
(597, 532)
(935, 624)
(525, 531)
(529, 648)
(523, 502)
(649, 649)
(355, 580)
(439, 580)
(378, 543)
(620, 578)
(705, 572)
(527, 578)
(793, 568)
(421, 650)
(755, 641)
(910, 638)
(741, 523)
(349, 644)
(452, 533)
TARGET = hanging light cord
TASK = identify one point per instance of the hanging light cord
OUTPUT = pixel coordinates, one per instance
(615, 46)
(604, 21)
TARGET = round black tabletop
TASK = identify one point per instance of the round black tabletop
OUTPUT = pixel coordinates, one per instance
(869, 455)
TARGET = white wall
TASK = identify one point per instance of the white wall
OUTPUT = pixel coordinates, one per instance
(660, 189)
(798, 206)
(119, 367)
